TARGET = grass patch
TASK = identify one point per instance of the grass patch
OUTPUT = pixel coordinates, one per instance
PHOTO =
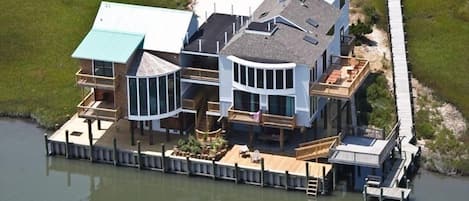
(36, 40)
(374, 10)
(376, 103)
(438, 45)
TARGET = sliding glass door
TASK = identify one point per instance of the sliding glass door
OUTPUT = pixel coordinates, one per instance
(246, 101)
(281, 105)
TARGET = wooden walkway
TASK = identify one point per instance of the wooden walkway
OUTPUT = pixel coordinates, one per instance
(277, 163)
(388, 193)
(403, 97)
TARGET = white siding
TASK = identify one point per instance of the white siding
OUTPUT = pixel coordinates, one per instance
(225, 89)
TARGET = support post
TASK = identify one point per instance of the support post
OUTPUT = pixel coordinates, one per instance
(251, 134)
(90, 138)
(323, 183)
(114, 151)
(150, 134)
(307, 174)
(282, 133)
(141, 128)
(402, 195)
(339, 116)
(99, 124)
(67, 149)
(236, 173)
(365, 193)
(381, 194)
(188, 161)
(262, 172)
(286, 179)
(325, 116)
(139, 155)
(167, 135)
(214, 169)
(407, 182)
(334, 170)
(46, 143)
(354, 114)
(132, 133)
(163, 158)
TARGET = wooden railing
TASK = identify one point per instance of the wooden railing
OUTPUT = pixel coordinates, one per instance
(213, 106)
(279, 121)
(341, 90)
(211, 135)
(200, 74)
(317, 148)
(87, 109)
(193, 103)
(95, 81)
(242, 117)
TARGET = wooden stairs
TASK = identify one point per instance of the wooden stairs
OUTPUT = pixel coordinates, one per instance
(316, 149)
(313, 186)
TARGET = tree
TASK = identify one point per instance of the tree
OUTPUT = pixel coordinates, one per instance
(360, 29)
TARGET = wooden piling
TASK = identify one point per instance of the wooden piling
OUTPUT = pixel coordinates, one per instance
(286, 179)
(188, 161)
(365, 193)
(99, 124)
(132, 133)
(236, 173)
(402, 195)
(46, 143)
(262, 172)
(90, 138)
(407, 182)
(163, 158)
(334, 170)
(141, 128)
(139, 155)
(167, 135)
(307, 175)
(214, 169)
(323, 183)
(67, 148)
(114, 151)
(380, 194)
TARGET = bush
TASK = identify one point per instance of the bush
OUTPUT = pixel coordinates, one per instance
(372, 16)
(423, 125)
(360, 29)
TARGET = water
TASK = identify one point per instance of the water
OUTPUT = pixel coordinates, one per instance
(27, 174)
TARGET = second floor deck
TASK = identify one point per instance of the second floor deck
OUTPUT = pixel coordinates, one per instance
(95, 109)
(342, 79)
(262, 119)
(95, 81)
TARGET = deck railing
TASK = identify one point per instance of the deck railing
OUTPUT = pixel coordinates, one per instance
(242, 117)
(95, 81)
(342, 90)
(200, 74)
(213, 106)
(88, 109)
(279, 121)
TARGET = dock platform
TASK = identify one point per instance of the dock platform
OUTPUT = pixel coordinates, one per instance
(388, 193)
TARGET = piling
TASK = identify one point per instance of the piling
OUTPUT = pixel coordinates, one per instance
(407, 183)
(307, 175)
(46, 142)
(262, 172)
(139, 155)
(380, 194)
(236, 173)
(286, 180)
(365, 193)
(67, 149)
(188, 166)
(163, 158)
(114, 151)
(90, 138)
(99, 124)
(214, 169)
(323, 183)
(402, 195)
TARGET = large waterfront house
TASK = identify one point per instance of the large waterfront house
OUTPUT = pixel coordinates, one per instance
(272, 75)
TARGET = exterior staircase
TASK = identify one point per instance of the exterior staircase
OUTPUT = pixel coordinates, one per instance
(317, 148)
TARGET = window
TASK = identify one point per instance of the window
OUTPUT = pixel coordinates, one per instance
(260, 78)
(243, 74)
(153, 96)
(289, 78)
(251, 77)
(279, 79)
(236, 72)
(103, 68)
(313, 104)
(246, 101)
(324, 61)
(171, 92)
(162, 91)
(281, 105)
(178, 89)
(270, 79)
(342, 3)
(142, 90)
(133, 96)
(331, 31)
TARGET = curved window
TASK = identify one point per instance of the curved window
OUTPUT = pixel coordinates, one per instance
(133, 96)
(171, 92)
(142, 90)
(153, 97)
(263, 78)
(162, 84)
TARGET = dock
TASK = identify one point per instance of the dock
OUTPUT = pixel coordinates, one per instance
(403, 94)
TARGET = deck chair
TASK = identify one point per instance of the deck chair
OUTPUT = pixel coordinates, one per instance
(256, 156)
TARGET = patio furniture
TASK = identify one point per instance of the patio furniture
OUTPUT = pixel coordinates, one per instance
(256, 156)
(244, 151)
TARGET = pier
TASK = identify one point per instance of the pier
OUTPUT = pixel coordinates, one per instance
(403, 94)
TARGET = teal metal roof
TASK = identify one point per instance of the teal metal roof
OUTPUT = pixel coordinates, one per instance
(108, 46)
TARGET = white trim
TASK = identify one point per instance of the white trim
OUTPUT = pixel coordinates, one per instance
(284, 18)
(198, 53)
(148, 97)
(246, 88)
(128, 94)
(253, 64)
(167, 94)
(138, 96)
(200, 82)
(261, 32)
(189, 111)
(155, 117)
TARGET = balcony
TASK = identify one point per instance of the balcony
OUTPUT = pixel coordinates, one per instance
(99, 110)
(263, 119)
(213, 106)
(342, 79)
(95, 81)
(193, 101)
(200, 74)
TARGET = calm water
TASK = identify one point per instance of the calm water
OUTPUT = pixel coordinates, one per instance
(26, 174)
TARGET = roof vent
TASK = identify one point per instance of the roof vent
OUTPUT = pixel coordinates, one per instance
(311, 40)
(266, 28)
(312, 22)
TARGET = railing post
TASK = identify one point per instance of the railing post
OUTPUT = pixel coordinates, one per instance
(188, 166)
(307, 174)
(236, 173)
(381, 194)
(114, 151)
(286, 179)
(262, 172)
(214, 169)
(163, 158)
(90, 138)
(139, 155)
(67, 150)
(323, 180)
(365, 193)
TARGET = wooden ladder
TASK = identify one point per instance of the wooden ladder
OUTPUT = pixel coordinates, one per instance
(312, 188)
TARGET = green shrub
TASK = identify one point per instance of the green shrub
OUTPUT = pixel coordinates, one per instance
(372, 16)
(360, 29)
(463, 12)
(424, 127)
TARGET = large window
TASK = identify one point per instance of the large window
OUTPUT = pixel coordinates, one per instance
(142, 90)
(263, 78)
(279, 79)
(133, 96)
(153, 97)
(163, 102)
(260, 78)
(171, 92)
(246, 101)
(281, 105)
(178, 89)
(251, 77)
(103, 68)
(243, 74)
(236, 72)
(270, 79)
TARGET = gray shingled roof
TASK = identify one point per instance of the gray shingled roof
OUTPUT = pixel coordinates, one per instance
(287, 43)
(146, 64)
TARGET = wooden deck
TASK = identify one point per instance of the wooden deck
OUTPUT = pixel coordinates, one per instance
(388, 193)
(276, 163)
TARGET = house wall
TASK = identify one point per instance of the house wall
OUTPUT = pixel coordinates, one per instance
(85, 65)
(225, 89)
